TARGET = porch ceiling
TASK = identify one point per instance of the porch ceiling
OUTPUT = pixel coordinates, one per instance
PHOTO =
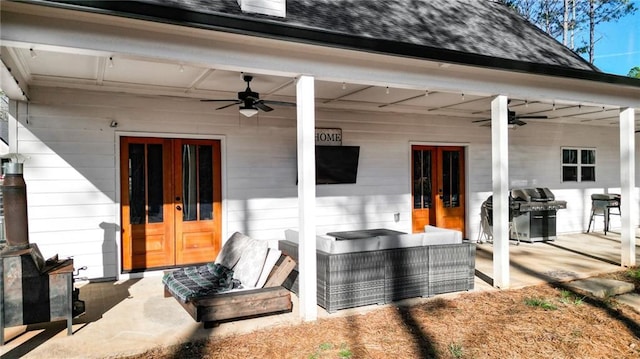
(128, 74)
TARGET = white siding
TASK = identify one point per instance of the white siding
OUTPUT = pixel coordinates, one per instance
(71, 172)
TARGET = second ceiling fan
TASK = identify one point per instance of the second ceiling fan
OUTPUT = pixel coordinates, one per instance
(514, 119)
(250, 101)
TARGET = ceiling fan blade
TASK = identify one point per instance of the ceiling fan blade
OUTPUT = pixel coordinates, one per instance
(279, 103)
(485, 120)
(533, 116)
(519, 123)
(229, 105)
(220, 100)
(262, 106)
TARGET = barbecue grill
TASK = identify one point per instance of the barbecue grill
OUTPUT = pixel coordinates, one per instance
(32, 289)
(535, 213)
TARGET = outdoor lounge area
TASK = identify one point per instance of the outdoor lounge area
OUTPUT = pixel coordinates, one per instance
(380, 269)
(132, 316)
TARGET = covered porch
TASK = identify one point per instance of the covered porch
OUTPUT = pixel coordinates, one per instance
(132, 316)
(98, 88)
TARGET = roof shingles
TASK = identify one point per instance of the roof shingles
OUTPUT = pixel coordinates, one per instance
(481, 27)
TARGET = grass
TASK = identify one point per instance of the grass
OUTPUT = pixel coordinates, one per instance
(568, 297)
(634, 274)
(456, 350)
(326, 350)
(542, 303)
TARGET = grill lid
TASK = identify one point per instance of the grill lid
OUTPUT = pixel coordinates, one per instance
(538, 194)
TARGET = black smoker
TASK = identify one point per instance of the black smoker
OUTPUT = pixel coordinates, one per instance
(534, 214)
(32, 290)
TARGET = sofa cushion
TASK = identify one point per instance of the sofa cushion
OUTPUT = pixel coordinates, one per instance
(232, 250)
(401, 241)
(251, 262)
(331, 245)
(291, 235)
(435, 235)
(272, 257)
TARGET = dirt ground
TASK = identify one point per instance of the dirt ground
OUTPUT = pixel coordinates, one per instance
(543, 321)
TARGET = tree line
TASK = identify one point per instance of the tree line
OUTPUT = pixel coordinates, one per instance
(563, 19)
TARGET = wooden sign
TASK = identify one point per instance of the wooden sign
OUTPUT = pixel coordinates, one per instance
(328, 137)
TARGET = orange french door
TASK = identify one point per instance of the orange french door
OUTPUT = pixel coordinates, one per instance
(171, 202)
(437, 187)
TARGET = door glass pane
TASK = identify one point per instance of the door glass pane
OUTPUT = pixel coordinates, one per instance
(450, 178)
(422, 179)
(205, 177)
(189, 183)
(155, 183)
(136, 183)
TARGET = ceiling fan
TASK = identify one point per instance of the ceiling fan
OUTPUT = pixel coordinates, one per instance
(250, 101)
(514, 119)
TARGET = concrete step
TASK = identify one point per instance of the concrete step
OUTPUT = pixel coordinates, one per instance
(630, 299)
(601, 287)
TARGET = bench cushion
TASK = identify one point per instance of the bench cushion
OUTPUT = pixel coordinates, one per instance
(272, 257)
(232, 249)
(251, 263)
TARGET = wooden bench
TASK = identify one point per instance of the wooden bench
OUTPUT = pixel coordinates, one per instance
(272, 298)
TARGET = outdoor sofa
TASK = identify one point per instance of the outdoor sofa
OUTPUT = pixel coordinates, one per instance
(245, 280)
(382, 269)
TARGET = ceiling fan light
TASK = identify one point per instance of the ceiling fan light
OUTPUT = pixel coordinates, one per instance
(248, 111)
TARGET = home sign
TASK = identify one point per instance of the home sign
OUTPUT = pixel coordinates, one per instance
(328, 137)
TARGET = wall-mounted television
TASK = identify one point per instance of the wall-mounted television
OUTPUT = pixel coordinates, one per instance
(337, 164)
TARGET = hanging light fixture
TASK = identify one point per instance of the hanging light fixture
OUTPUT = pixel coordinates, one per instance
(248, 111)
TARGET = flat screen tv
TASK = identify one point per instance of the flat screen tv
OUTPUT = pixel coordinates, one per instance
(337, 164)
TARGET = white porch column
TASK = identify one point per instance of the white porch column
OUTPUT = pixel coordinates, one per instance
(500, 180)
(306, 197)
(627, 185)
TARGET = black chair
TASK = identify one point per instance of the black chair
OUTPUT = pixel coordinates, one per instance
(486, 222)
(601, 205)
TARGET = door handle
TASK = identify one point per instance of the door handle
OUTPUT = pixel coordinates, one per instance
(179, 208)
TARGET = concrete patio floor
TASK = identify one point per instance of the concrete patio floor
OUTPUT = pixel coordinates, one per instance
(129, 317)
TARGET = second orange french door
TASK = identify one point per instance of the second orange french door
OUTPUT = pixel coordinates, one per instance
(171, 202)
(438, 187)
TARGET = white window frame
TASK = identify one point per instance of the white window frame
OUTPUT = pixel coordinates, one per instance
(579, 165)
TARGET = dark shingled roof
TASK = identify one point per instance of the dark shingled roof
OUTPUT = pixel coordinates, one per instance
(482, 27)
(481, 33)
